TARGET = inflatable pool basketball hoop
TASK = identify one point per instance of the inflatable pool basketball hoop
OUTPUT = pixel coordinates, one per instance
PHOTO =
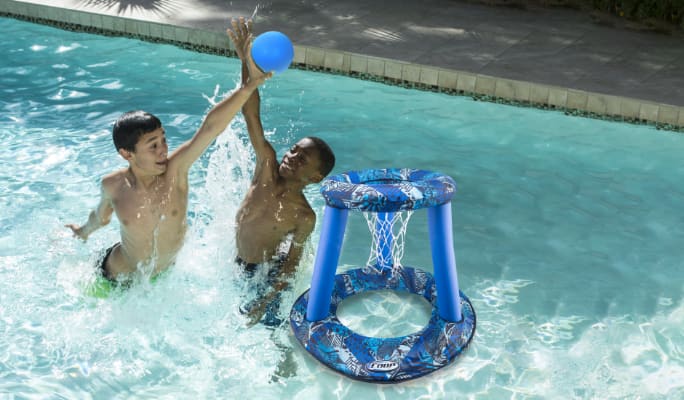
(386, 195)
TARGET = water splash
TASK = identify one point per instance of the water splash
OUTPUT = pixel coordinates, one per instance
(254, 14)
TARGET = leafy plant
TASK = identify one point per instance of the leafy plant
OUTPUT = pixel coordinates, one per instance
(671, 11)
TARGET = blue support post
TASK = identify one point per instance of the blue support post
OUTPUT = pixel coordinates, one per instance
(444, 262)
(325, 265)
(385, 238)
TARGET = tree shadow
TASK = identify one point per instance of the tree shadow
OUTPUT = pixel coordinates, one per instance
(162, 7)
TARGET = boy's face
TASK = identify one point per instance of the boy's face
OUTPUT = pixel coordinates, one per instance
(302, 162)
(151, 152)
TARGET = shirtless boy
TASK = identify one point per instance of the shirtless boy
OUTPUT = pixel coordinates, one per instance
(274, 211)
(150, 197)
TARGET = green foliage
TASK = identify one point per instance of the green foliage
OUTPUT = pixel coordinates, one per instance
(659, 15)
(671, 11)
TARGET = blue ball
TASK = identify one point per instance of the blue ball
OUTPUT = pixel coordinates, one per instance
(272, 51)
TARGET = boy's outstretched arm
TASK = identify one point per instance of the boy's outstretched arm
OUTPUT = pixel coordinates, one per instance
(299, 238)
(264, 152)
(218, 118)
(98, 218)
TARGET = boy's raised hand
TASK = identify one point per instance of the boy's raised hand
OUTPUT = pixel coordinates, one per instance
(241, 35)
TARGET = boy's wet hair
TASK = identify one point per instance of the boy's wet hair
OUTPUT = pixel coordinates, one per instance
(131, 126)
(325, 154)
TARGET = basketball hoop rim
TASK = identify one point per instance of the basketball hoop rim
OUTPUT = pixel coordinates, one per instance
(388, 189)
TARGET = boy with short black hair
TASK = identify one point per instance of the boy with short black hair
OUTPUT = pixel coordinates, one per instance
(275, 219)
(150, 197)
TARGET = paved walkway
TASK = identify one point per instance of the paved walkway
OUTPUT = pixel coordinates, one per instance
(556, 47)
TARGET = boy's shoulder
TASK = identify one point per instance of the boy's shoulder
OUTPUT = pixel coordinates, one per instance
(302, 210)
(114, 180)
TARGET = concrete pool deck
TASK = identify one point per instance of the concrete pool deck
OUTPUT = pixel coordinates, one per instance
(555, 58)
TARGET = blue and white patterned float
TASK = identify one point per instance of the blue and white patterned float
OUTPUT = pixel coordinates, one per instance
(385, 360)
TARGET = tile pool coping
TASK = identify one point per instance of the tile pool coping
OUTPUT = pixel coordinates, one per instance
(398, 73)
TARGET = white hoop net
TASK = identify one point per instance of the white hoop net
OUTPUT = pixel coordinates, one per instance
(387, 232)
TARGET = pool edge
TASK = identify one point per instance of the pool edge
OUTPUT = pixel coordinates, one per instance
(384, 70)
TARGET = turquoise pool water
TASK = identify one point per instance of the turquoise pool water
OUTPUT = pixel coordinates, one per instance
(568, 235)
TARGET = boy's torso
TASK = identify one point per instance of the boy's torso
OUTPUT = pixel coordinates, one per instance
(266, 217)
(152, 220)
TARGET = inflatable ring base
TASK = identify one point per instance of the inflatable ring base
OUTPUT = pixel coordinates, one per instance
(383, 360)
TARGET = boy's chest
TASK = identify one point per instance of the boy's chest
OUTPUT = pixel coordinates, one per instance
(148, 209)
(275, 213)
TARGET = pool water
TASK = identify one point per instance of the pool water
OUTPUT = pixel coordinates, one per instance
(567, 231)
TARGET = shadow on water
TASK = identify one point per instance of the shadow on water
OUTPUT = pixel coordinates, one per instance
(162, 7)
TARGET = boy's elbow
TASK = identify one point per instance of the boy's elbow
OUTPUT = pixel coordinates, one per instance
(103, 218)
(207, 124)
(105, 221)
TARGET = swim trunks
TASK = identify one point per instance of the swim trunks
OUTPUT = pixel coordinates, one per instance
(261, 287)
(102, 263)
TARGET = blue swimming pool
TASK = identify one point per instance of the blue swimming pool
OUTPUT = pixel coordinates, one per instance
(568, 235)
